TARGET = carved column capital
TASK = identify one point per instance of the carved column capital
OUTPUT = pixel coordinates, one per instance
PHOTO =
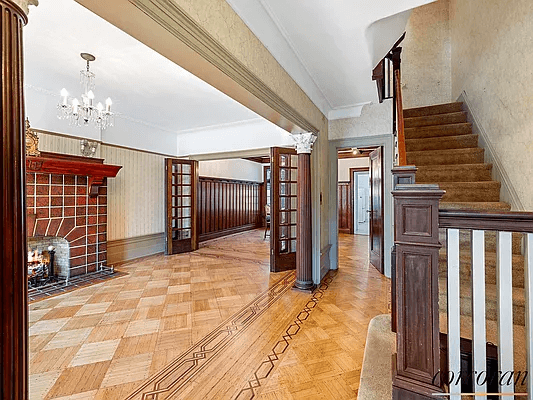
(25, 4)
(304, 142)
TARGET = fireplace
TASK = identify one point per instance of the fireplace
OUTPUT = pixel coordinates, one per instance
(67, 208)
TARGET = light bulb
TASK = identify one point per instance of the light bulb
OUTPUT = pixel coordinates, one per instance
(100, 107)
(108, 103)
(90, 95)
(75, 105)
(64, 95)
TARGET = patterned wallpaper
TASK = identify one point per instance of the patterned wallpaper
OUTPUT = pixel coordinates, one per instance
(135, 196)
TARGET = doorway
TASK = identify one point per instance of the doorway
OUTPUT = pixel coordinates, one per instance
(361, 200)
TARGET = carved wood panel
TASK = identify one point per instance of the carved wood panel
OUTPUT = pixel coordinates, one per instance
(345, 200)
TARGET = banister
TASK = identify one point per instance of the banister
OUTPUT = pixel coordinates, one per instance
(402, 156)
(487, 220)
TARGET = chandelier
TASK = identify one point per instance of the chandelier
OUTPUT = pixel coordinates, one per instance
(85, 112)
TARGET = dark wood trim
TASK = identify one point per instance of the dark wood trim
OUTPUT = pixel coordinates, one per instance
(377, 208)
(345, 206)
(126, 250)
(487, 221)
(259, 159)
(304, 248)
(226, 232)
(364, 154)
(352, 184)
(13, 275)
(417, 258)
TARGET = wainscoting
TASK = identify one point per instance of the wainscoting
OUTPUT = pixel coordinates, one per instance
(345, 197)
(122, 250)
(227, 206)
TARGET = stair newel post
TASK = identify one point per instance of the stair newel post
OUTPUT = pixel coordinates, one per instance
(416, 215)
(405, 175)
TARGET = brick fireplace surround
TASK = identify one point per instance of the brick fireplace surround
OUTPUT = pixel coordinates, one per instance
(69, 206)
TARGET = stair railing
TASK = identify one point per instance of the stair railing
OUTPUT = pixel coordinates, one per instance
(400, 129)
(427, 360)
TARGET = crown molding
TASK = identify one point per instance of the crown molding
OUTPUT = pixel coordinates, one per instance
(245, 122)
(179, 24)
(351, 111)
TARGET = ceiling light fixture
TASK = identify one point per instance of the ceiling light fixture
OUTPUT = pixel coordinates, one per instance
(356, 151)
(85, 112)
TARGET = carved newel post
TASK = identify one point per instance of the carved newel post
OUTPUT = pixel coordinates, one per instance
(13, 294)
(304, 250)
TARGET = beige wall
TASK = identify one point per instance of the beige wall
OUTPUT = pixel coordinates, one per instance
(492, 55)
(344, 165)
(426, 56)
(135, 197)
(375, 119)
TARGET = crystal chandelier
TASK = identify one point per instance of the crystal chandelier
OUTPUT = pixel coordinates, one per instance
(85, 112)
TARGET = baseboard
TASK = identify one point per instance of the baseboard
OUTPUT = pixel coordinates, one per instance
(122, 250)
(226, 232)
(324, 261)
(508, 193)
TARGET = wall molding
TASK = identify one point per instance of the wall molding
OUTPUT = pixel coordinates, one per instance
(507, 191)
(179, 24)
(123, 250)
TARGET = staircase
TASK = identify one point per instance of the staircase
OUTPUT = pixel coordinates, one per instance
(440, 143)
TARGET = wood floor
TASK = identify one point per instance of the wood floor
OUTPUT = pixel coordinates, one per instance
(214, 324)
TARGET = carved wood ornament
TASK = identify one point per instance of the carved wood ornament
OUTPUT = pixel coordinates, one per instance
(32, 141)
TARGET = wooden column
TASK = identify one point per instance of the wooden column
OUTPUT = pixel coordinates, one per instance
(400, 176)
(13, 294)
(304, 250)
(416, 213)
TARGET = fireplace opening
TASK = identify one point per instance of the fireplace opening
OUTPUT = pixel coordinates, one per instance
(48, 260)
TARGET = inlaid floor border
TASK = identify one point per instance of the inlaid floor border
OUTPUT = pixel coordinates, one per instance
(196, 358)
(264, 369)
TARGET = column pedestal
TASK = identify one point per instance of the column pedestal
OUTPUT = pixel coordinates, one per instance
(13, 293)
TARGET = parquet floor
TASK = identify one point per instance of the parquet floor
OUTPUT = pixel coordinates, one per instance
(214, 324)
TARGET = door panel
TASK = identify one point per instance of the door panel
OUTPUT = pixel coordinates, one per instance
(284, 201)
(376, 209)
(181, 198)
(345, 207)
(362, 199)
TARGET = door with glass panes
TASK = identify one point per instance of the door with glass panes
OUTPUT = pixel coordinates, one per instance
(181, 220)
(283, 200)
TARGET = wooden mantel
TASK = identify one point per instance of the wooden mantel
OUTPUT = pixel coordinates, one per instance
(63, 164)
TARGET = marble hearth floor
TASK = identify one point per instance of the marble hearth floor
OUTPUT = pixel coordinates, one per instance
(214, 324)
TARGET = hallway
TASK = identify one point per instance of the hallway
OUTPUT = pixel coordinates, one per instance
(133, 335)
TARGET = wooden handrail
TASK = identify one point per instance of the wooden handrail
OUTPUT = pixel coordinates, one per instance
(486, 220)
(402, 156)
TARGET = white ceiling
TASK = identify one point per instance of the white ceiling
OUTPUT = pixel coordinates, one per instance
(145, 86)
(329, 47)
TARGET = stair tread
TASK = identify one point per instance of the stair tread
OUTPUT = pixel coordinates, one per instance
(474, 205)
(447, 151)
(435, 120)
(439, 128)
(491, 291)
(443, 142)
(437, 167)
(433, 109)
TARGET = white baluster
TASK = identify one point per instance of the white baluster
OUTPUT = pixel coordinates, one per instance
(504, 282)
(454, 313)
(528, 287)
(479, 345)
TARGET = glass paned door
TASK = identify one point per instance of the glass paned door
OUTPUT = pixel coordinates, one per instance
(181, 188)
(284, 200)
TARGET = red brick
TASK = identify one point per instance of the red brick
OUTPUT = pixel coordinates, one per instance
(91, 249)
(102, 210)
(93, 201)
(69, 190)
(81, 200)
(69, 180)
(102, 191)
(67, 225)
(43, 190)
(57, 201)
(69, 200)
(102, 257)
(102, 200)
(80, 211)
(91, 258)
(30, 224)
(102, 247)
(56, 212)
(81, 180)
(91, 230)
(40, 229)
(43, 213)
(54, 226)
(92, 210)
(91, 267)
(77, 261)
(92, 220)
(42, 201)
(102, 219)
(91, 239)
(102, 228)
(57, 179)
(81, 221)
(77, 251)
(30, 202)
(81, 190)
(43, 179)
(102, 237)
(76, 233)
(79, 242)
(30, 177)
(57, 190)
(70, 211)
(30, 190)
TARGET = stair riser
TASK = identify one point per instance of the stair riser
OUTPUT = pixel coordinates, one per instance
(492, 206)
(475, 156)
(432, 110)
(438, 131)
(454, 118)
(459, 174)
(486, 192)
(446, 143)
(491, 308)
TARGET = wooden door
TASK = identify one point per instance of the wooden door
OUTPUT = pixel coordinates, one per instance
(181, 199)
(376, 209)
(283, 201)
(362, 200)
(345, 194)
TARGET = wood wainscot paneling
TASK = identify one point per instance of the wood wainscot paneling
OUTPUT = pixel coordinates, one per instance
(123, 250)
(227, 206)
(345, 197)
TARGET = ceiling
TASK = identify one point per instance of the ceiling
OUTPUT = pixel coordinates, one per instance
(329, 47)
(145, 86)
